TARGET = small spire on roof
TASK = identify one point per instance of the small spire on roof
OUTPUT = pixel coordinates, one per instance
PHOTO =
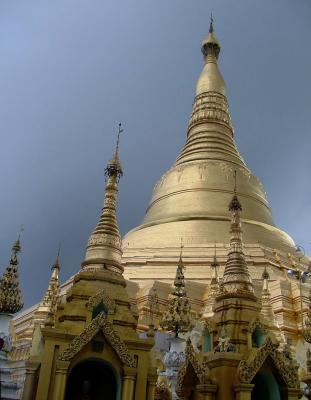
(235, 204)
(114, 165)
(104, 245)
(10, 293)
(236, 275)
(210, 45)
(177, 317)
(215, 262)
(57, 263)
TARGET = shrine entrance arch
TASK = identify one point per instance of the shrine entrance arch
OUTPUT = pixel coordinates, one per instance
(266, 386)
(92, 380)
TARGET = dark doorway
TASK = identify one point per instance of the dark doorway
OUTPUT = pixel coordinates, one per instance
(91, 380)
(266, 386)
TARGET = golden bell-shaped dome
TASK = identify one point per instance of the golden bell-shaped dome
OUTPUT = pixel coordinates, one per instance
(190, 200)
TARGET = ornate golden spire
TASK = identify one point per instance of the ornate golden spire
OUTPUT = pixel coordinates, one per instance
(214, 266)
(213, 288)
(104, 245)
(210, 131)
(49, 301)
(10, 293)
(236, 276)
(266, 306)
(177, 318)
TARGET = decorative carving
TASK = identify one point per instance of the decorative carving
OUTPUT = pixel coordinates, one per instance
(201, 370)
(101, 297)
(98, 239)
(100, 323)
(249, 368)
(210, 106)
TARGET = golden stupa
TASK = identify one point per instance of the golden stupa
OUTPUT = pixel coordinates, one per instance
(189, 202)
(229, 283)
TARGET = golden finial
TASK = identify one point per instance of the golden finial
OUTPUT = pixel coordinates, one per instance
(210, 45)
(114, 167)
(235, 204)
(215, 263)
(118, 137)
(57, 262)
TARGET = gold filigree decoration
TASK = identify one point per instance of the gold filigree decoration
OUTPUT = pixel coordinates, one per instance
(103, 297)
(210, 106)
(100, 323)
(202, 371)
(287, 369)
(98, 239)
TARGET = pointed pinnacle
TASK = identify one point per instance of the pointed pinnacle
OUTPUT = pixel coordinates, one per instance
(57, 263)
(16, 248)
(114, 167)
(235, 204)
(211, 28)
(215, 263)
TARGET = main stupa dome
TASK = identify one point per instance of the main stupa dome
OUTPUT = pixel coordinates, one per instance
(190, 201)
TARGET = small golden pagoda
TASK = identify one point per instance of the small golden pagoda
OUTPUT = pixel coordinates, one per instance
(177, 318)
(10, 293)
(243, 361)
(89, 347)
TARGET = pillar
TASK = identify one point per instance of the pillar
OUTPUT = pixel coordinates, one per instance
(30, 383)
(206, 391)
(128, 383)
(243, 391)
(152, 380)
(291, 393)
(60, 380)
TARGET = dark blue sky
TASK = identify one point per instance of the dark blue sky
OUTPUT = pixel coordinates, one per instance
(70, 70)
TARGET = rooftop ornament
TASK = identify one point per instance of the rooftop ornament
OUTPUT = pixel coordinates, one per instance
(177, 318)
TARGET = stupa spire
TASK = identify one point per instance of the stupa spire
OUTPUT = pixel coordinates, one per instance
(236, 276)
(214, 266)
(177, 318)
(104, 245)
(51, 296)
(10, 293)
(213, 289)
(210, 131)
(266, 306)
